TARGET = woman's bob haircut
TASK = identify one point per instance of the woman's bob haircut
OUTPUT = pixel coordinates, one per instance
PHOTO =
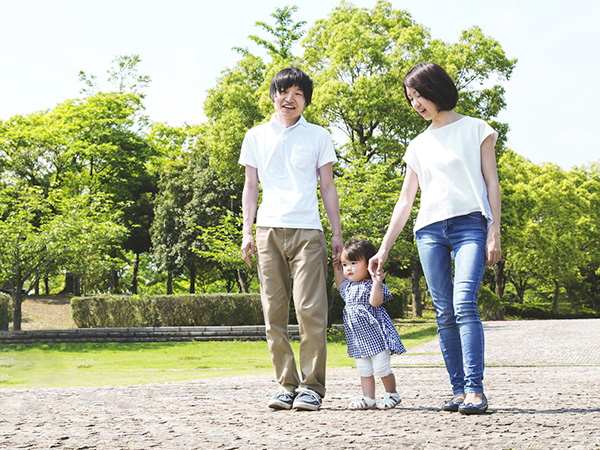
(287, 78)
(433, 83)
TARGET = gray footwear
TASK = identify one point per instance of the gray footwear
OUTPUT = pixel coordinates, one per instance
(284, 399)
(307, 400)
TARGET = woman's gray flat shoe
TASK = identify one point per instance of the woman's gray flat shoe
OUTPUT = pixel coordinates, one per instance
(451, 406)
(470, 408)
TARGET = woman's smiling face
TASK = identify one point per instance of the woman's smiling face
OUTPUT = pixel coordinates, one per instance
(426, 108)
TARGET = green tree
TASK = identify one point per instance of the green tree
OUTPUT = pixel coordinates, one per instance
(518, 204)
(221, 245)
(123, 76)
(553, 227)
(544, 213)
(285, 33)
(38, 234)
(358, 58)
(171, 231)
(586, 182)
(90, 145)
(121, 161)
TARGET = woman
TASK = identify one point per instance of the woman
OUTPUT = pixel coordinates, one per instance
(454, 165)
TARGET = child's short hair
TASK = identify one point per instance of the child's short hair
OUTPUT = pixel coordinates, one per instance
(433, 83)
(359, 249)
(287, 78)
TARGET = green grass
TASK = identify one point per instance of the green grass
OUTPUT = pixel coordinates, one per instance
(94, 364)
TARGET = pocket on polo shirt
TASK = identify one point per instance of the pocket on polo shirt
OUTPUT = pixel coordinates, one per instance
(303, 158)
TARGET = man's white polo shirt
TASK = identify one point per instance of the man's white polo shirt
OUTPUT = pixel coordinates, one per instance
(287, 161)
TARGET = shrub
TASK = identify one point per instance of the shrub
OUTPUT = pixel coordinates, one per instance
(6, 311)
(489, 304)
(167, 311)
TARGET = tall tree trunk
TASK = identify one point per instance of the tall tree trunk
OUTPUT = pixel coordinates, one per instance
(114, 275)
(76, 286)
(415, 275)
(17, 299)
(555, 299)
(136, 268)
(520, 289)
(499, 279)
(169, 283)
(46, 285)
(69, 284)
(242, 280)
(192, 270)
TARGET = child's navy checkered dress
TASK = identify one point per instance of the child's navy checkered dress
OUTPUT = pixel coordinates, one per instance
(369, 330)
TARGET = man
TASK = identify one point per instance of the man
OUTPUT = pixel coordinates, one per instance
(288, 156)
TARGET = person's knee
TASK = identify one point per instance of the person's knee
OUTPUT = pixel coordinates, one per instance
(364, 367)
(381, 364)
(382, 373)
(467, 312)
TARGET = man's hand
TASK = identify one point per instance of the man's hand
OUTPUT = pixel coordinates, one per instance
(337, 245)
(248, 245)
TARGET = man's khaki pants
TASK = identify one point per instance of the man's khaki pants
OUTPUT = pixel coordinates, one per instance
(286, 254)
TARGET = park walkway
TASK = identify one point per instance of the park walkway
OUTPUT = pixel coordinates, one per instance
(542, 382)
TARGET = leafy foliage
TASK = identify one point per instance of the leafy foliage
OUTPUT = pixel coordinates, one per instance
(6, 310)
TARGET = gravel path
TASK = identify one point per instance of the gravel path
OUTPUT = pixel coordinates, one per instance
(542, 382)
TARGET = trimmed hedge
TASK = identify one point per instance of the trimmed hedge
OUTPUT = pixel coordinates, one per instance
(167, 310)
(6, 311)
(528, 311)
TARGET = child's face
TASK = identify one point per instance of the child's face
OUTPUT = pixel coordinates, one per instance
(354, 270)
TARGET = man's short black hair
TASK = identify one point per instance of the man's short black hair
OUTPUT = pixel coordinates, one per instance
(287, 78)
(433, 83)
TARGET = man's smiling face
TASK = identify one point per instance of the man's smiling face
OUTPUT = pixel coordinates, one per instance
(289, 105)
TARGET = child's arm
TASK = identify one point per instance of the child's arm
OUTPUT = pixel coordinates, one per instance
(376, 298)
(338, 273)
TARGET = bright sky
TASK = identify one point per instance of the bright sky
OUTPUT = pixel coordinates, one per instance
(184, 45)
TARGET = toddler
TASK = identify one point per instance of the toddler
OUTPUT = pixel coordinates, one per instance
(370, 333)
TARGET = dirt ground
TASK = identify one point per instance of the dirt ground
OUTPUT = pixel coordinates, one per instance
(542, 382)
(47, 313)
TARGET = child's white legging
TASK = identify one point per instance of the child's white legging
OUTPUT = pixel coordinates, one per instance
(378, 364)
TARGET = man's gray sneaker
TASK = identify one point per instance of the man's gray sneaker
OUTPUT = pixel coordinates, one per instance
(284, 399)
(307, 400)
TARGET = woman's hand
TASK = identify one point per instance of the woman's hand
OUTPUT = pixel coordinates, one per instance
(493, 252)
(376, 263)
(378, 277)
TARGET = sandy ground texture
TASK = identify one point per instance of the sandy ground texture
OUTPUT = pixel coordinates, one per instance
(542, 381)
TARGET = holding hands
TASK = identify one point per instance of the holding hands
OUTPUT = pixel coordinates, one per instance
(376, 264)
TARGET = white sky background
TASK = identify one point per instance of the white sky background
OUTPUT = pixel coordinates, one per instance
(552, 97)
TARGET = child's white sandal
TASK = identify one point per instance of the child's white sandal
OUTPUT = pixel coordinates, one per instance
(390, 400)
(363, 403)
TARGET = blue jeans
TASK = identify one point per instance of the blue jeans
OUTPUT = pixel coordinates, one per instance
(460, 332)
